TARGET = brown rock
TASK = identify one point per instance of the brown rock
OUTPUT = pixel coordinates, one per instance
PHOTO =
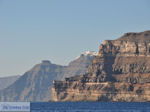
(120, 72)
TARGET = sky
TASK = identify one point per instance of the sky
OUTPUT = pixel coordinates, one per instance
(60, 30)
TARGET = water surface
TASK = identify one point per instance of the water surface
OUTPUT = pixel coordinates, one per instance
(89, 107)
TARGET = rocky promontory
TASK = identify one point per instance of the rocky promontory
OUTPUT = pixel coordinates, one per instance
(120, 72)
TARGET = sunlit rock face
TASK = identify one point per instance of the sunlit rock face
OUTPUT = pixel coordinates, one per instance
(120, 72)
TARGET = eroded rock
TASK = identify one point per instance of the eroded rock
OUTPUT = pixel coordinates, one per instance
(120, 72)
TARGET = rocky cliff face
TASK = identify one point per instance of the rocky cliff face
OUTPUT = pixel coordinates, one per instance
(120, 72)
(35, 84)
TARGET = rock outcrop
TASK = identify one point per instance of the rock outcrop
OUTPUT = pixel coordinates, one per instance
(120, 72)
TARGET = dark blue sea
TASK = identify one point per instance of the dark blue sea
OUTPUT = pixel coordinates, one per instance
(89, 107)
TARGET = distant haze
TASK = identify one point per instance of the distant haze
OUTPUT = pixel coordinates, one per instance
(60, 30)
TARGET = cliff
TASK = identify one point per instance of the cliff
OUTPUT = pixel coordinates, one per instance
(120, 72)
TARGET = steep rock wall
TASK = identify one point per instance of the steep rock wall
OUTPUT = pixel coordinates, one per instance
(120, 72)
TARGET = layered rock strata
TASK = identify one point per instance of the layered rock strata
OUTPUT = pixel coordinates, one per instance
(120, 72)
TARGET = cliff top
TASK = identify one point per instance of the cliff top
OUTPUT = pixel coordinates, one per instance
(89, 53)
(134, 37)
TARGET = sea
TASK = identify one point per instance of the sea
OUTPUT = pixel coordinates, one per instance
(89, 107)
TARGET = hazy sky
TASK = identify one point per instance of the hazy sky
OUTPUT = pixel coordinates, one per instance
(59, 30)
